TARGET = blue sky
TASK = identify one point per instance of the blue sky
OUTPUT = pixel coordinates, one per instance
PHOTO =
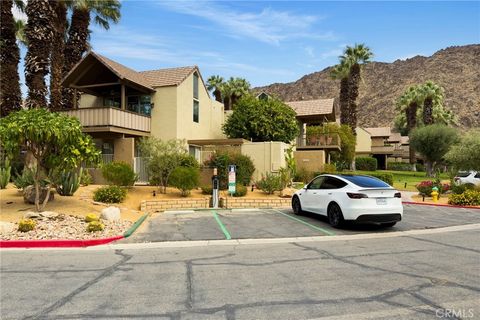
(280, 41)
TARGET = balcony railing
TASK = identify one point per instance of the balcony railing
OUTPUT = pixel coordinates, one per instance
(319, 141)
(104, 117)
(383, 149)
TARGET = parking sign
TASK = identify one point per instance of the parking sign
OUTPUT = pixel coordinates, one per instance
(232, 178)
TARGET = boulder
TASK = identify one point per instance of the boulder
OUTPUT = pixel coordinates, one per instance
(6, 227)
(29, 194)
(110, 214)
(287, 192)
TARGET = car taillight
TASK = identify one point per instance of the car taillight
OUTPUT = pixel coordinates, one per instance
(356, 195)
(398, 195)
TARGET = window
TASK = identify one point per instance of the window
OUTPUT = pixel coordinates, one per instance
(316, 183)
(111, 102)
(366, 181)
(333, 183)
(195, 152)
(195, 85)
(195, 111)
(139, 104)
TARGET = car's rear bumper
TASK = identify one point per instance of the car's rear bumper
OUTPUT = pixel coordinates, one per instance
(379, 218)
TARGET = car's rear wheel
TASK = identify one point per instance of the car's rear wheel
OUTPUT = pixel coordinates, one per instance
(296, 206)
(335, 215)
(389, 224)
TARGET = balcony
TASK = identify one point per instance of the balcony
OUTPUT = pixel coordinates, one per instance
(106, 119)
(386, 149)
(329, 141)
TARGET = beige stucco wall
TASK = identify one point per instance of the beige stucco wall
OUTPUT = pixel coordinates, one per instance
(378, 141)
(164, 113)
(311, 160)
(266, 156)
(90, 101)
(124, 150)
(364, 142)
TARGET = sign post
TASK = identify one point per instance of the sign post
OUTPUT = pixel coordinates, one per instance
(232, 178)
(215, 186)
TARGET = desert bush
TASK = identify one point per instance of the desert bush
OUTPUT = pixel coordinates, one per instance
(25, 179)
(468, 198)
(95, 226)
(207, 190)
(244, 164)
(304, 175)
(119, 174)
(185, 179)
(329, 168)
(5, 175)
(26, 225)
(240, 190)
(399, 166)
(110, 194)
(68, 182)
(285, 177)
(86, 178)
(270, 183)
(91, 217)
(459, 189)
(366, 163)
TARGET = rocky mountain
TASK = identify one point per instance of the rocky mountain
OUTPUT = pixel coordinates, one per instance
(456, 69)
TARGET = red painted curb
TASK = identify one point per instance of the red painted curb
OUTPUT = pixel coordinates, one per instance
(55, 243)
(439, 205)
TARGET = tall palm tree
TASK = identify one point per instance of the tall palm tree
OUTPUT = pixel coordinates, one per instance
(10, 94)
(105, 11)
(239, 87)
(355, 57)
(226, 92)
(39, 35)
(433, 95)
(57, 55)
(340, 72)
(214, 83)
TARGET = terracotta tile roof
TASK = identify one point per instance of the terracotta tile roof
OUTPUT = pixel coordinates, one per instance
(395, 137)
(379, 132)
(312, 107)
(168, 77)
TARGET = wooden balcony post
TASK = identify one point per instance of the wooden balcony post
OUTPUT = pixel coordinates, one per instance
(122, 97)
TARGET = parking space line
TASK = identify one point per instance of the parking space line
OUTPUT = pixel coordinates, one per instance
(222, 226)
(327, 232)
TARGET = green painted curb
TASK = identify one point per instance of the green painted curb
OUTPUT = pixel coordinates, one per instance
(330, 233)
(135, 226)
(222, 226)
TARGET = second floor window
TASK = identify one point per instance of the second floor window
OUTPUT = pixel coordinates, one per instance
(196, 111)
(195, 85)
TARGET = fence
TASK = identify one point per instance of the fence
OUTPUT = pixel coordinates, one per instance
(140, 168)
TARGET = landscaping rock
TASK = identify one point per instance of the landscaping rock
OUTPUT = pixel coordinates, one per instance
(29, 195)
(287, 192)
(110, 214)
(31, 215)
(49, 214)
(6, 227)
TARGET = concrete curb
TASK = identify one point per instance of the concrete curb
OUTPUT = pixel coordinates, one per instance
(56, 243)
(439, 205)
(135, 226)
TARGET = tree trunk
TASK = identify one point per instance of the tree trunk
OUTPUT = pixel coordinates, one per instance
(57, 57)
(344, 106)
(428, 111)
(353, 83)
(10, 94)
(411, 114)
(429, 168)
(226, 103)
(75, 47)
(39, 34)
(218, 95)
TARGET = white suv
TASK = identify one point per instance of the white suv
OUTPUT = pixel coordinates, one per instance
(470, 177)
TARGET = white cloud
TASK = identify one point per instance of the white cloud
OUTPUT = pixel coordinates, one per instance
(310, 51)
(268, 25)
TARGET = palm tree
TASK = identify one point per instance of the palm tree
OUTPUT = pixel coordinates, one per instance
(39, 35)
(355, 57)
(10, 94)
(105, 11)
(433, 95)
(214, 83)
(57, 55)
(340, 72)
(20, 32)
(226, 92)
(238, 88)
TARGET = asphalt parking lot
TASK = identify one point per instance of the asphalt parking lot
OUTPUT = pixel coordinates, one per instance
(282, 223)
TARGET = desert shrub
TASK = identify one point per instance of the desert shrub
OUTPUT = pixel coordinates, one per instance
(240, 190)
(366, 163)
(468, 198)
(399, 166)
(24, 180)
(270, 183)
(385, 177)
(119, 174)
(5, 175)
(184, 179)
(459, 189)
(285, 177)
(110, 194)
(26, 225)
(304, 175)
(91, 217)
(95, 226)
(187, 160)
(329, 168)
(221, 160)
(420, 167)
(425, 187)
(207, 190)
(68, 182)
(86, 178)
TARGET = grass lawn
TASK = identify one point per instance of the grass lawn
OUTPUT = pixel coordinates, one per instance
(409, 177)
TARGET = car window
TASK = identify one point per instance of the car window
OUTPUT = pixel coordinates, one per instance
(316, 183)
(366, 181)
(463, 174)
(332, 183)
(477, 175)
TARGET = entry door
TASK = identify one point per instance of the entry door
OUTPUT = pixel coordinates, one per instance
(310, 195)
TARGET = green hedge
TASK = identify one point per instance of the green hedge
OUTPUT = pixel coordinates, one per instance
(366, 163)
(386, 177)
(399, 166)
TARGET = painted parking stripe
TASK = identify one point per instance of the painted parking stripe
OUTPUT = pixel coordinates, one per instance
(222, 226)
(327, 232)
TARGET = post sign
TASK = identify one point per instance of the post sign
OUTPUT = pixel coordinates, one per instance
(231, 178)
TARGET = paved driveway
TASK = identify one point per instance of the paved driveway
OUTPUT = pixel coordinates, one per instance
(272, 223)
